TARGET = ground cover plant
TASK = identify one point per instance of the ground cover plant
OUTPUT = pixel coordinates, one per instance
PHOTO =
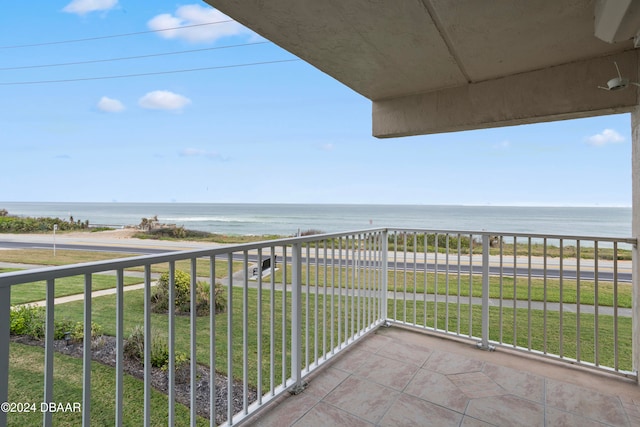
(180, 233)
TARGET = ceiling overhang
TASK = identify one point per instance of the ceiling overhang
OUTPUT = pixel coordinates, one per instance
(433, 66)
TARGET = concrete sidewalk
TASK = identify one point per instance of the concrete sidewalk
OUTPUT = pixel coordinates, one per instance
(80, 297)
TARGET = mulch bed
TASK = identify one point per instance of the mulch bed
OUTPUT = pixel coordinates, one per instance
(104, 351)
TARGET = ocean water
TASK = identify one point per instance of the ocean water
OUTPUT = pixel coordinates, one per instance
(288, 219)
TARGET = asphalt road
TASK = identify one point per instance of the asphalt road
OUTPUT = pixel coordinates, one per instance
(89, 248)
(431, 267)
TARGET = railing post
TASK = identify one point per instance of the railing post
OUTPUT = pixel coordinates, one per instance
(635, 312)
(296, 318)
(48, 352)
(484, 343)
(635, 232)
(147, 345)
(385, 273)
(86, 354)
(5, 331)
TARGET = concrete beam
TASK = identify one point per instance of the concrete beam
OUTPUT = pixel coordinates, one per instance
(562, 92)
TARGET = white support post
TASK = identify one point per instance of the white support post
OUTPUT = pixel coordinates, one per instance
(171, 416)
(47, 416)
(296, 318)
(385, 273)
(635, 231)
(147, 346)
(86, 355)
(5, 328)
(119, 397)
(484, 343)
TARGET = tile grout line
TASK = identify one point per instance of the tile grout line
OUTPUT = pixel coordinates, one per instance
(544, 401)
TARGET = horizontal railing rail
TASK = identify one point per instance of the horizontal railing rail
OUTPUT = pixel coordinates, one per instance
(564, 297)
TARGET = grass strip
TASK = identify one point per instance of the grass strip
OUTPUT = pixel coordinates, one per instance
(447, 284)
(26, 382)
(62, 256)
(338, 316)
(45, 257)
(37, 291)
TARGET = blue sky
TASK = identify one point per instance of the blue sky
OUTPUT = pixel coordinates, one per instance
(281, 132)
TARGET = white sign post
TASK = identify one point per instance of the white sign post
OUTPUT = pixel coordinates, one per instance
(55, 227)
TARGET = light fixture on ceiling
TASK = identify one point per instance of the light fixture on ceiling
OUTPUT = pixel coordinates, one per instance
(619, 82)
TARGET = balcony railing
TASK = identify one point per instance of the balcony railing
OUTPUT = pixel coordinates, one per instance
(563, 297)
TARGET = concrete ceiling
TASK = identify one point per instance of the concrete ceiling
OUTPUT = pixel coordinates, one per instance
(412, 56)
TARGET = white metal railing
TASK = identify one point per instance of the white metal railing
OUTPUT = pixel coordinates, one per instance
(322, 294)
(565, 297)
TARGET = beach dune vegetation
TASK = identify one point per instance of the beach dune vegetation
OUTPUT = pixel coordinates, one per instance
(16, 224)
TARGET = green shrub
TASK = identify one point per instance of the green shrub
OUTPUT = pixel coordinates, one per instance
(175, 233)
(220, 302)
(134, 349)
(97, 229)
(28, 320)
(14, 224)
(159, 352)
(134, 344)
(77, 332)
(62, 327)
(160, 297)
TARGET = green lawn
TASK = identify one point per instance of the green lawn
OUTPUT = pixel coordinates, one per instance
(62, 257)
(334, 330)
(37, 291)
(26, 383)
(529, 329)
(447, 284)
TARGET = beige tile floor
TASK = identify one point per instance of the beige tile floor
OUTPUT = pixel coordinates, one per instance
(397, 377)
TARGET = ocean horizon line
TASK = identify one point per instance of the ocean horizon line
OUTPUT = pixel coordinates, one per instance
(479, 205)
(285, 219)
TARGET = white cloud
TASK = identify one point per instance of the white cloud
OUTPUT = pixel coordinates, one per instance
(109, 105)
(194, 14)
(196, 152)
(607, 136)
(81, 7)
(327, 147)
(163, 100)
(502, 145)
